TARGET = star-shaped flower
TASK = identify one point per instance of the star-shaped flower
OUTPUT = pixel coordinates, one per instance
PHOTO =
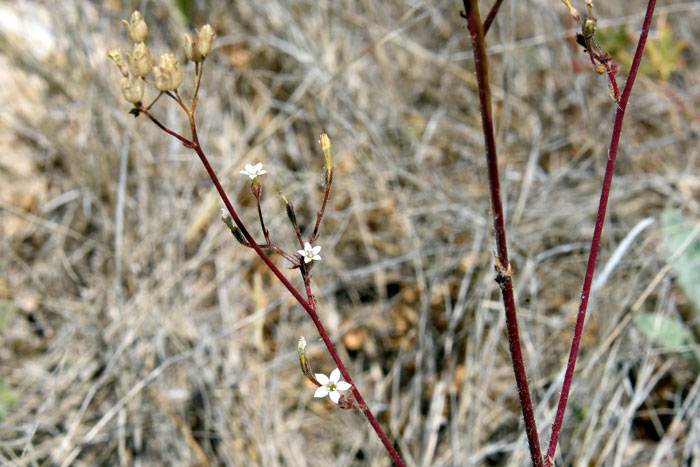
(330, 385)
(310, 253)
(253, 171)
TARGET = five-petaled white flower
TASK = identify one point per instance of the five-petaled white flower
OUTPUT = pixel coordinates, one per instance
(330, 385)
(253, 171)
(310, 253)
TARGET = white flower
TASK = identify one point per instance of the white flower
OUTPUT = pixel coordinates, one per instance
(310, 253)
(253, 171)
(330, 385)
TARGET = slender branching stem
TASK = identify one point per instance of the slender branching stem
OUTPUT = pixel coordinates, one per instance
(310, 309)
(595, 242)
(319, 214)
(257, 193)
(503, 270)
(298, 234)
(185, 141)
(309, 305)
(198, 69)
(491, 16)
(154, 100)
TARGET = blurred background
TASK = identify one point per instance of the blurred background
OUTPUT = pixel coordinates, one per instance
(134, 330)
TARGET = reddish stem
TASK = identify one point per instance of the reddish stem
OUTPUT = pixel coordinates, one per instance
(502, 263)
(310, 309)
(257, 192)
(319, 215)
(491, 16)
(595, 242)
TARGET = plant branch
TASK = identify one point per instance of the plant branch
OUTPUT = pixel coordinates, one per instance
(491, 16)
(595, 242)
(319, 215)
(502, 263)
(308, 306)
(141, 109)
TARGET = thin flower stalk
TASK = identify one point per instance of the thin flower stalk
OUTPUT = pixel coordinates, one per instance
(595, 242)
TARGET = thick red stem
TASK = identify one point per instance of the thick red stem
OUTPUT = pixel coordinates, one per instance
(503, 265)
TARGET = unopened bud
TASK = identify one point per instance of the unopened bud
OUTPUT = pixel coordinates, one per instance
(140, 63)
(326, 148)
(291, 214)
(204, 39)
(167, 75)
(303, 362)
(226, 218)
(239, 236)
(191, 52)
(589, 27)
(136, 28)
(600, 69)
(301, 348)
(132, 89)
(115, 54)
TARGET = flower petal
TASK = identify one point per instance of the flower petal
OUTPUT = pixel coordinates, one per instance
(321, 392)
(321, 378)
(257, 167)
(316, 250)
(317, 257)
(249, 168)
(307, 259)
(301, 252)
(343, 386)
(307, 246)
(334, 395)
(335, 376)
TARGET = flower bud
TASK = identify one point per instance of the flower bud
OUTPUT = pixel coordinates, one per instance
(326, 148)
(191, 52)
(140, 64)
(291, 214)
(132, 89)
(136, 28)
(167, 75)
(589, 27)
(115, 54)
(204, 39)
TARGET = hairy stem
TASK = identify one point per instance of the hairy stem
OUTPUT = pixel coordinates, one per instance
(502, 263)
(595, 242)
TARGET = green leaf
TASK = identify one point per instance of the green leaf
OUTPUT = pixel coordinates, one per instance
(185, 8)
(664, 54)
(676, 229)
(666, 331)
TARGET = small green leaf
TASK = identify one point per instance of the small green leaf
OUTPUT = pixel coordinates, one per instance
(185, 8)
(676, 229)
(666, 331)
(664, 54)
